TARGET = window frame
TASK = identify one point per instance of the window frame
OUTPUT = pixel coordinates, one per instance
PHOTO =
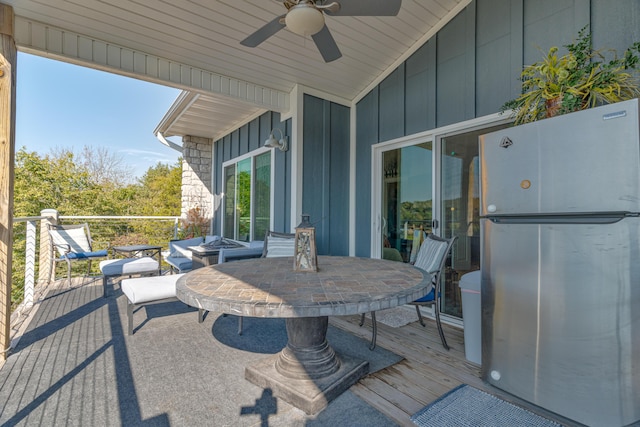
(233, 162)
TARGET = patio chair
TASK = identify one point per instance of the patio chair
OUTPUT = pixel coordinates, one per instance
(431, 258)
(72, 242)
(275, 245)
(179, 257)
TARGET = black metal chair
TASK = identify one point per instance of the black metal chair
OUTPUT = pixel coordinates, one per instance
(431, 258)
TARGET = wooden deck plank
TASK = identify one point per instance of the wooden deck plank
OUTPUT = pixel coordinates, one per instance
(426, 373)
(383, 405)
(401, 400)
(419, 382)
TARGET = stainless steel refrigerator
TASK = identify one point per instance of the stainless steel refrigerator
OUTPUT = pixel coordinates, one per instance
(560, 232)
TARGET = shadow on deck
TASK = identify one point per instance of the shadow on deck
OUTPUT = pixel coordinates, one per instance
(75, 365)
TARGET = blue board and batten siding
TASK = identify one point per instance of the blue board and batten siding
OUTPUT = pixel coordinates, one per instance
(470, 68)
(325, 173)
(325, 176)
(244, 140)
(467, 70)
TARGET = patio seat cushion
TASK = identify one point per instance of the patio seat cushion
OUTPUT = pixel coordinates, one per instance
(179, 257)
(140, 290)
(279, 246)
(125, 266)
(181, 264)
(86, 255)
(178, 248)
(148, 290)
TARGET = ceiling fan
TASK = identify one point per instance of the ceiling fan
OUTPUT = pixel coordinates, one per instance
(307, 18)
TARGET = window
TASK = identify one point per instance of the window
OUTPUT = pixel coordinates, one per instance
(247, 197)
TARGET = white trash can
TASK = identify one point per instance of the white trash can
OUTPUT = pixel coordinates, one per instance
(472, 317)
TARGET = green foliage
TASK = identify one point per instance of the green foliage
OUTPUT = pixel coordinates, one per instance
(45, 182)
(582, 78)
(416, 212)
(71, 185)
(161, 187)
(244, 205)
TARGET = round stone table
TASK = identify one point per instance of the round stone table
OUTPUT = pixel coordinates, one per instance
(307, 372)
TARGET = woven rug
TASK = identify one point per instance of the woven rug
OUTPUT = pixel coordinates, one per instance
(396, 317)
(466, 406)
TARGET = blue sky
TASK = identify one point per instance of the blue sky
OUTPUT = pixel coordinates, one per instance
(60, 105)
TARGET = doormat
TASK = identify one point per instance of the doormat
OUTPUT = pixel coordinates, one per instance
(395, 317)
(468, 406)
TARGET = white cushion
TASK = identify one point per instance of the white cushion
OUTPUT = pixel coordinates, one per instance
(119, 267)
(178, 248)
(74, 237)
(146, 289)
(419, 236)
(256, 244)
(430, 255)
(180, 252)
(279, 247)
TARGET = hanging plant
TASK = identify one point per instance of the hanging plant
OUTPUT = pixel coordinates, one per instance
(580, 79)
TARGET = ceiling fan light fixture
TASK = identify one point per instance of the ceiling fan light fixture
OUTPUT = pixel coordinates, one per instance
(304, 19)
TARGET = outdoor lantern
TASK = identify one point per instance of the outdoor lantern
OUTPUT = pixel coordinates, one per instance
(305, 256)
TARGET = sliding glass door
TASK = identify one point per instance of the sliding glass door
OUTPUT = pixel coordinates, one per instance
(459, 206)
(412, 200)
(406, 200)
(247, 197)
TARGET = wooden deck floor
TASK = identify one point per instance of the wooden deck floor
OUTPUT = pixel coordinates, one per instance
(427, 371)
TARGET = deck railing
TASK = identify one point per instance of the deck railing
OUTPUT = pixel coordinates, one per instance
(32, 249)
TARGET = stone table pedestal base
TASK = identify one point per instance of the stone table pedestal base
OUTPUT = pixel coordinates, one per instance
(307, 373)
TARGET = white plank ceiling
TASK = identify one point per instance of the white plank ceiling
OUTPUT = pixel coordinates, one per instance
(205, 35)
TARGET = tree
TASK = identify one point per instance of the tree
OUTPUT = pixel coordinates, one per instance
(88, 185)
(160, 188)
(104, 166)
(52, 182)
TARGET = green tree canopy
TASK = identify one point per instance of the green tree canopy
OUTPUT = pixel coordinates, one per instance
(160, 187)
(92, 183)
(70, 183)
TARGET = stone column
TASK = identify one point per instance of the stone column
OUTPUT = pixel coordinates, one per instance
(196, 176)
(8, 56)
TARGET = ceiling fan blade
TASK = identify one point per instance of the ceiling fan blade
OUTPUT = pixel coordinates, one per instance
(326, 45)
(367, 8)
(264, 33)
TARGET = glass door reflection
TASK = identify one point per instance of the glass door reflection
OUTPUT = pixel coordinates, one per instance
(460, 202)
(407, 200)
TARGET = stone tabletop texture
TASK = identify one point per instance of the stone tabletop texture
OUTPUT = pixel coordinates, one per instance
(268, 287)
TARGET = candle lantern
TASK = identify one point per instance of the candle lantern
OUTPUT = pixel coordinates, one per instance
(305, 254)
